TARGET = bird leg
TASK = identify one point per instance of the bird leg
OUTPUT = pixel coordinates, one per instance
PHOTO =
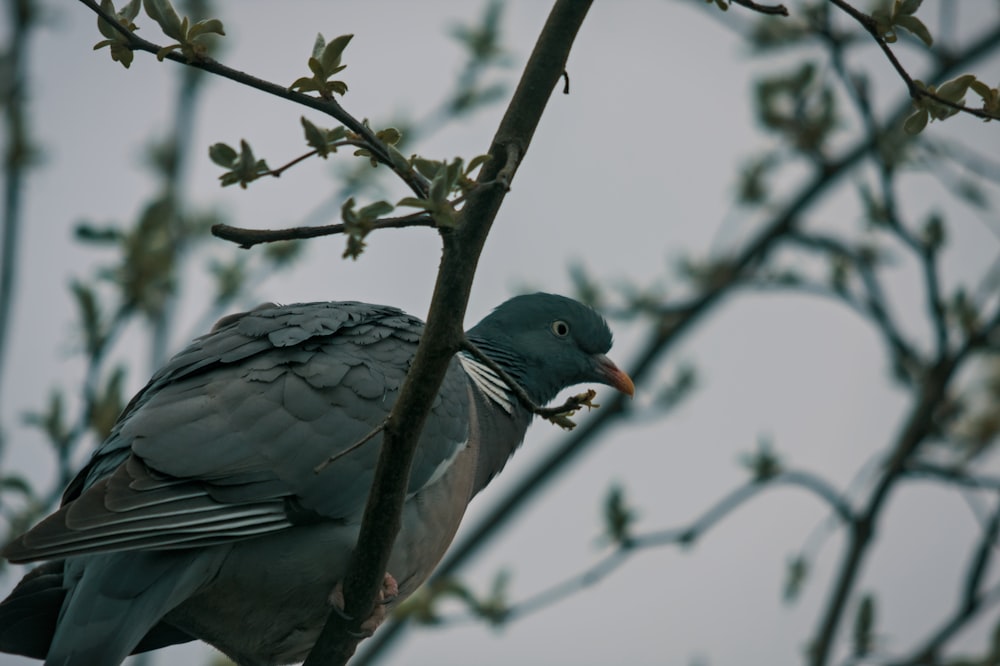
(389, 591)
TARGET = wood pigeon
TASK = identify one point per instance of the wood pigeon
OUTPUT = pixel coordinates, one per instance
(201, 515)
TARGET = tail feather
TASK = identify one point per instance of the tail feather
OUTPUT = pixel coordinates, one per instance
(29, 614)
(115, 602)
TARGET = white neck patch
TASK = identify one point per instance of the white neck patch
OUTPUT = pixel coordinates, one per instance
(487, 381)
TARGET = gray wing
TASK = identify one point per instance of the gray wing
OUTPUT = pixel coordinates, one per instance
(223, 441)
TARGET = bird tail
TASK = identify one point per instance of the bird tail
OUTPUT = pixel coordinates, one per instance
(28, 616)
(114, 603)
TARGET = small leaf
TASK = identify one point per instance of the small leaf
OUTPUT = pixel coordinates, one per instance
(916, 122)
(426, 168)
(222, 154)
(933, 232)
(389, 135)
(915, 26)
(316, 67)
(166, 50)
(316, 138)
(117, 42)
(618, 516)
(107, 406)
(955, 89)
(243, 167)
(413, 202)
(164, 14)
(330, 57)
(304, 84)
(356, 229)
(208, 26)
(864, 627)
(438, 190)
(375, 210)
(131, 10)
(476, 162)
(318, 45)
(981, 89)
(90, 316)
(907, 6)
(798, 569)
(763, 463)
(103, 26)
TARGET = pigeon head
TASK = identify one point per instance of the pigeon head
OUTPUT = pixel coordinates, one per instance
(547, 343)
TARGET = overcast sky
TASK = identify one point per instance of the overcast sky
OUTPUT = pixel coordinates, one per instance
(636, 167)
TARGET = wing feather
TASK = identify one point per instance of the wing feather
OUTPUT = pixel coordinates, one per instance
(225, 437)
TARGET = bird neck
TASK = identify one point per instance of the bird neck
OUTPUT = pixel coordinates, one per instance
(500, 420)
(511, 362)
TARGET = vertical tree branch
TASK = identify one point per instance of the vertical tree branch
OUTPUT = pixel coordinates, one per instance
(178, 147)
(973, 598)
(443, 334)
(915, 429)
(17, 156)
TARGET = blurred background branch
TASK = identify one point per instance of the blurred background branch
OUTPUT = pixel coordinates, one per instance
(829, 127)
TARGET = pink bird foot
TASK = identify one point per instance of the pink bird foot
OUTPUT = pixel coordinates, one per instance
(389, 591)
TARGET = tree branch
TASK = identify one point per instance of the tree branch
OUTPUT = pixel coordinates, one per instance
(915, 90)
(247, 238)
(874, 303)
(16, 159)
(773, 10)
(917, 426)
(443, 333)
(680, 536)
(973, 599)
(329, 107)
(919, 469)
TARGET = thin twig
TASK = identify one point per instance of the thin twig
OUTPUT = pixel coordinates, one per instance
(247, 238)
(276, 173)
(927, 255)
(356, 445)
(772, 10)
(677, 536)
(920, 469)
(736, 498)
(972, 601)
(874, 304)
(417, 183)
(915, 90)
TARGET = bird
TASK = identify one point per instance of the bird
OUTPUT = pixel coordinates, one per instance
(201, 516)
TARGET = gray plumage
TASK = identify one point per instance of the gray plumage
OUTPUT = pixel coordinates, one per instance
(201, 516)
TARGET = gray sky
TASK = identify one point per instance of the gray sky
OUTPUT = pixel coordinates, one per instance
(631, 170)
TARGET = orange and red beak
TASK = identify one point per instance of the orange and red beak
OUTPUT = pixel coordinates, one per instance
(613, 376)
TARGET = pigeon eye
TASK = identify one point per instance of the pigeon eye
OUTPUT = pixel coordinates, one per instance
(560, 328)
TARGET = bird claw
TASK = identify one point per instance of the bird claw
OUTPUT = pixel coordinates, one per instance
(386, 595)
